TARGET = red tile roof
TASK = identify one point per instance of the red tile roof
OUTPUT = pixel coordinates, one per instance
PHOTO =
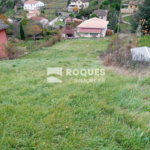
(31, 2)
(35, 11)
(87, 30)
(37, 18)
(68, 31)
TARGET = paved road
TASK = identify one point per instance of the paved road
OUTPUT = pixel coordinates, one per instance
(125, 22)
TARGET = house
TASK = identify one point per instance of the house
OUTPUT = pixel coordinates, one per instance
(3, 38)
(134, 4)
(69, 33)
(32, 5)
(93, 27)
(101, 13)
(78, 3)
(41, 20)
(33, 13)
(141, 54)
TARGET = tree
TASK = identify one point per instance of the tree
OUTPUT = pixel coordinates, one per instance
(117, 6)
(34, 30)
(114, 21)
(78, 16)
(4, 18)
(105, 4)
(101, 6)
(31, 29)
(94, 15)
(22, 35)
(143, 13)
(68, 2)
(75, 9)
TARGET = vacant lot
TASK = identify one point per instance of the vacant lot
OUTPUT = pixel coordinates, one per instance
(38, 115)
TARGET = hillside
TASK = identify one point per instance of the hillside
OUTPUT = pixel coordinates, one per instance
(35, 114)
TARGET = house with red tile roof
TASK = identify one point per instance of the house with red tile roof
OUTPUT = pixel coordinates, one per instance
(32, 5)
(3, 38)
(41, 20)
(93, 27)
(33, 13)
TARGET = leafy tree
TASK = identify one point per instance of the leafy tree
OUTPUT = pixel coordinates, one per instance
(117, 6)
(114, 21)
(101, 6)
(75, 9)
(78, 16)
(94, 15)
(4, 18)
(10, 4)
(71, 15)
(22, 35)
(143, 13)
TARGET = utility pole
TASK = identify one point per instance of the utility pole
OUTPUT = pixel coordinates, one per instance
(118, 27)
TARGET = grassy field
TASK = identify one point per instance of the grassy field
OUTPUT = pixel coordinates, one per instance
(36, 115)
(145, 41)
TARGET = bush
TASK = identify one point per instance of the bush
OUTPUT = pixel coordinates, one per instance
(13, 51)
(109, 32)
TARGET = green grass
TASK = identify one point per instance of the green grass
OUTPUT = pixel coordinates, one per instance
(71, 116)
(145, 41)
(125, 26)
(60, 23)
(127, 19)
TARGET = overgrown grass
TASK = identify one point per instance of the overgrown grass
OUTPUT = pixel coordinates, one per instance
(70, 115)
(9, 12)
(145, 41)
(125, 26)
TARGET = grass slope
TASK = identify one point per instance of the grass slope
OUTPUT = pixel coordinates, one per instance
(36, 115)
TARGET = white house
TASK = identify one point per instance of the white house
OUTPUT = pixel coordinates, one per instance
(93, 27)
(32, 5)
(101, 13)
(79, 4)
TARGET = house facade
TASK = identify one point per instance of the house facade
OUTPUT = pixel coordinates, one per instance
(94, 27)
(101, 13)
(33, 13)
(134, 4)
(33, 5)
(3, 38)
(78, 3)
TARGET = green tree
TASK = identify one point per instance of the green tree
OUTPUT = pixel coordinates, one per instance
(114, 21)
(22, 35)
(94, 15)
(142, 13)
(101, 6)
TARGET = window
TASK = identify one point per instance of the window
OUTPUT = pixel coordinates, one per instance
(101, 17)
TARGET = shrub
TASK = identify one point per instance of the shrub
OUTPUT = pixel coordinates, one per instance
(13, 51)
(109, 32)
